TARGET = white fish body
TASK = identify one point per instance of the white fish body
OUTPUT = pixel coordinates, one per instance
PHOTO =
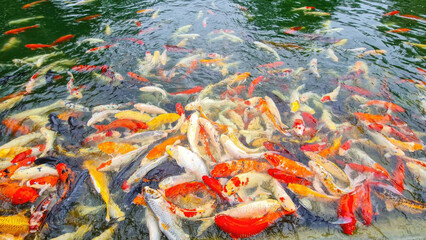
(188, 160)
(267, 48)
(148, 108)
(101, 116)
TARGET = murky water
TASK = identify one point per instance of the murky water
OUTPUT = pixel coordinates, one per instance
(360, 22)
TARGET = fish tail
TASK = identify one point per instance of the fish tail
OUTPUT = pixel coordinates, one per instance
(206, 223)
(114, 211)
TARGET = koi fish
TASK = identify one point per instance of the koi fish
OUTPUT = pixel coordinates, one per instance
(234, 167)
(372, 52)
(412, 17)
(100, 182)
(88, 17)
(306, 8)
(138, 77)
(253, 85)
(390, 13)
(22, 29)
(288, 166)
(394, 199)
(399, 30)
(15, 224)
(15, 126)
(292, 30)
(364, 169)
(266, 48)
(35, 46)
(13, 192)
(189, 91)
(283, 177)
(115, 148)
(73, 91)
(247, 227)
(167, 219)
(372, 118)
(132, 125)
(304, 191)
(63, 39)
(317, 14)
(145, 10)
(134, 115)
(33, 4)
(162, 119)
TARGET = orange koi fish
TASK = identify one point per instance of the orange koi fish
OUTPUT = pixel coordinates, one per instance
(390, 13)
(47, 180)
(412, 17)
(195, 188)
(138, 77)
(132, 125)
(145, 10)
(234, 167)
(254, 83)
(189, 91)
(204, 137)
(88, 17)
(115, 148)
(36, 45)
(287, 178)
(247, 227)
(66, 115)
(62, 39)
(387, 105)
(364, 169)
(160, 149)
(388, 131)
(331, 151)
(288, 166)
(13, 192)
(32, 4)
(15, 126)
(382, 119)
(262, 106)
(399, 175)
(292, 30)
(22, 29)
(399, 30)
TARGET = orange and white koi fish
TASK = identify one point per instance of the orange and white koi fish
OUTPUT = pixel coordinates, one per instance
(74, 92)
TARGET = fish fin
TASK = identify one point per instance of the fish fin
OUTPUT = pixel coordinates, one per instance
(389, 205)
(342, 221)
(206, 223)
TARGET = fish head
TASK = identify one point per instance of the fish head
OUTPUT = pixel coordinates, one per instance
(151, 193)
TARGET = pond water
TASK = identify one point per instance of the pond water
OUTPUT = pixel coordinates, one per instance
(217, 39)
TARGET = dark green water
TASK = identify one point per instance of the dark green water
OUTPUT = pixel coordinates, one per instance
(361, 23)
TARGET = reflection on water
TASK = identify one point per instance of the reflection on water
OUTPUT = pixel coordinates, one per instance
(328, 66)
